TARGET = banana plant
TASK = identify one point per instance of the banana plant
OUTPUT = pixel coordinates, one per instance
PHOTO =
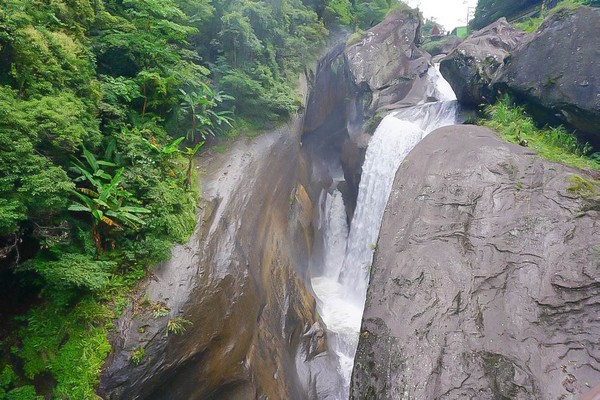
(168, 149)
(200, 105)
(104, 197)
(190, 152)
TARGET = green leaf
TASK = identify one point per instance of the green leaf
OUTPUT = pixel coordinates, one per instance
(101, 203)
(97, 214)
(135, 209)
(90, 159)
(106, 163)
(108, 153)
(85, 199)
(79, 207)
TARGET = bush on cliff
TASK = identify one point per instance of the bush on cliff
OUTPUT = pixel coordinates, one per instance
(513, 124)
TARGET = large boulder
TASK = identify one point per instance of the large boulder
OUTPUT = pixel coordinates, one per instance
(470, 67)
(388, 63)
(358, 82)
(486, 278)
(559, 68)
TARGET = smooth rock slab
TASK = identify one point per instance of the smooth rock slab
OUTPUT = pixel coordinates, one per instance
(486, 278)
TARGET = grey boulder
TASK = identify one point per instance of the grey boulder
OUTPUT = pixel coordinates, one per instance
(388, 63)
(470, 67)
(486, 279)
(559, 69)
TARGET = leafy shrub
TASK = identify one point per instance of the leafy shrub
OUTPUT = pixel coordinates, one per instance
(63, 270)
(554, 143)
(177, 325)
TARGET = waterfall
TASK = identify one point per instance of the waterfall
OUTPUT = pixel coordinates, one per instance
(392, 141)
(335, 234)
(341, 290)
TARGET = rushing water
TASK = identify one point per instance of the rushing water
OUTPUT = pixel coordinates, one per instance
(341, 290)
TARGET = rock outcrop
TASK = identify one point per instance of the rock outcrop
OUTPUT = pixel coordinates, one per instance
(486, 279)
(559, 69)
(388, 63)
(470, 67)
(384, 70)
(229, 316)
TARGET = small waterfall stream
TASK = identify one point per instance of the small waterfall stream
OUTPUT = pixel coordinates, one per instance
(348, 251)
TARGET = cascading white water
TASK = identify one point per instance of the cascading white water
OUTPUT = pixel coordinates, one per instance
(335, 234)
(341, 290)
(392, 141)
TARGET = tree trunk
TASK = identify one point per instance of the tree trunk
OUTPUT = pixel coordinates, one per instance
(188, 173)
(96, 237)
(145, 100)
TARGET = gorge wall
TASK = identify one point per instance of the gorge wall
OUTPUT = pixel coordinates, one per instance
(239, 283)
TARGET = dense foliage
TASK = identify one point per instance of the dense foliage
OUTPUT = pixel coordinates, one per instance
(488, 11)
(513, 124)
(103, 105)
(79, 225)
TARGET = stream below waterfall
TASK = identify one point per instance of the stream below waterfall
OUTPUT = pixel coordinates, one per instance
(348, 250)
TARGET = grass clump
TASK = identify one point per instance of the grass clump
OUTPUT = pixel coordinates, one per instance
(553, 143)
(137, 355)
(583, 187)
(177, 325)
(530, 25)
(356, 37)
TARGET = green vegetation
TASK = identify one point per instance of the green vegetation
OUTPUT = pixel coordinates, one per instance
(137, 355)
(587, 189)
(584, 187)
(532, 24)
(177, 325)
(104, 105)
(527, 13)
(553, 143)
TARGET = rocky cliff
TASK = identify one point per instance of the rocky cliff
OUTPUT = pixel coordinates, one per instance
(486, 279)
(354, 86)
(237, 290)
(230, 315)
(388, 63)
(555, 71)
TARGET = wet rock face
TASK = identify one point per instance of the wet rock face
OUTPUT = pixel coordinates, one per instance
(470, 67)
(486, 279)
(559, 68)
(384, 70)
(238, 290)
(388, 63)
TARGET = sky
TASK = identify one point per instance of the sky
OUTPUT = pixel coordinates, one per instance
(449, 13)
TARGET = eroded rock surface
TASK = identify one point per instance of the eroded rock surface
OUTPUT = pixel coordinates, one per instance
(470, 67)
(486, 279)
(238, 290)
(354, 86)
(559, 68)
(388, 62)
